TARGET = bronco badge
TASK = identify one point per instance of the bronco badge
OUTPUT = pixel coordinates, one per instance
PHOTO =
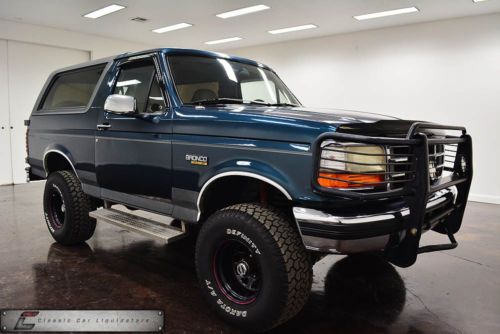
(200, 160)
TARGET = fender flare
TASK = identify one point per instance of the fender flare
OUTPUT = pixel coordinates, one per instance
(238, 173)
(60, 151)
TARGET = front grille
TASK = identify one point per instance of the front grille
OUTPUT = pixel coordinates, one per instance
(399, 172)
(441, 159)
(450, 154)
(437, 160)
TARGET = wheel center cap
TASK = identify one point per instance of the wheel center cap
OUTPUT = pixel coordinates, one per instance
(242, 268)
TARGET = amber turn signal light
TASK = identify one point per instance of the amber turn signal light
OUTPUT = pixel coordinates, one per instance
(331, 180)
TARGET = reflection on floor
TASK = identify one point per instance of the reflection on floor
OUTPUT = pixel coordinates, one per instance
(455, 291)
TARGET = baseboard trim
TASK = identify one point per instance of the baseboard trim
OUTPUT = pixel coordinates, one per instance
(484, 198)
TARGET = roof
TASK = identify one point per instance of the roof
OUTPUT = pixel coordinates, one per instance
(167, 51)
(195, 52)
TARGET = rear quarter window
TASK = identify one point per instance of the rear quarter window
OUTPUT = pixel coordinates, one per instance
(72, 89)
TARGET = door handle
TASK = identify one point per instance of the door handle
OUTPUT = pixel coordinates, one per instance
(103, 126)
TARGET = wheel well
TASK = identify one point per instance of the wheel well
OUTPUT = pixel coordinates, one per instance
(55, 161)
(231, 190)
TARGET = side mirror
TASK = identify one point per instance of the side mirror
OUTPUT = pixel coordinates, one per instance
(120, 104)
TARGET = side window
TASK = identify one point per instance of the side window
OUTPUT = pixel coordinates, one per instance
(156, 103)
(139, 80)
(284, 98)
(72, 89)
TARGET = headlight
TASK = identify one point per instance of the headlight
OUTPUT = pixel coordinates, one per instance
(351, 166)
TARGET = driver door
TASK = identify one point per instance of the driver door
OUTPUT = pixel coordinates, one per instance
(134, 152)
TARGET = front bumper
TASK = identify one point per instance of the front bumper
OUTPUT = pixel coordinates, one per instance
(328, 233)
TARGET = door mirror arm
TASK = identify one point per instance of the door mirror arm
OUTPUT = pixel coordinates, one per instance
(150, 118)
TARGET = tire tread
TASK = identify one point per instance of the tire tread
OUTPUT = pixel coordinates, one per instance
(292, 251)
(80, 204)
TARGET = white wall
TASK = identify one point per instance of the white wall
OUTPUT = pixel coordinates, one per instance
(445, 71)
(5, 161)
(28, 66)
(98, 46)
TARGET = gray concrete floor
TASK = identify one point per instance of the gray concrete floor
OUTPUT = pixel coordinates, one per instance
(455, 291)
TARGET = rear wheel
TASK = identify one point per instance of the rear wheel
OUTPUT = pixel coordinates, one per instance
(67, 208)
(252, 266)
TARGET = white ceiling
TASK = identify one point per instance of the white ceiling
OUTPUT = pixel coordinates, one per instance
(331, 17)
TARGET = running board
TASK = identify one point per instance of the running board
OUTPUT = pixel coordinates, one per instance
(144, 226)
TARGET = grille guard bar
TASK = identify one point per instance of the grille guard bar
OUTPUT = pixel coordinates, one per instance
(416, 192)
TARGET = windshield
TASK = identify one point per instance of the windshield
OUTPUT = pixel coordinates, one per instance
(203, 80)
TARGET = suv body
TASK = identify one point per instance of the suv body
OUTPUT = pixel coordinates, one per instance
(208, 131)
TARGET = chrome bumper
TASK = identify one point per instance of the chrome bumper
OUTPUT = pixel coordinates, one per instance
(361, 233)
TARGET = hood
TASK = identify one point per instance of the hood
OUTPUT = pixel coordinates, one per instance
(335, 117)
(287, 124)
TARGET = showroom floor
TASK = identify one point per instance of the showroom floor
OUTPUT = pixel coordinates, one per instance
(455, 291)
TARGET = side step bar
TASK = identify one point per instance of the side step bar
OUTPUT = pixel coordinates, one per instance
(144, 226)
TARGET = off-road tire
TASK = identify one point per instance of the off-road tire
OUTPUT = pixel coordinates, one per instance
(76, 226)
(279, 253)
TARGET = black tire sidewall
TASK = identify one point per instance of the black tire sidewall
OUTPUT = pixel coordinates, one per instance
(56, 182)
(271, 300)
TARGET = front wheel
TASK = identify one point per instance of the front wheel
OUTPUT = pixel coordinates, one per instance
(252, 266)
(67, 208)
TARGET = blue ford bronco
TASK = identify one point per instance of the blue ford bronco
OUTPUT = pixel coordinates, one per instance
(222, 146)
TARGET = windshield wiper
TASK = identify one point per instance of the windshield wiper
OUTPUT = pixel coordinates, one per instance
(283, 104)
(224, 100)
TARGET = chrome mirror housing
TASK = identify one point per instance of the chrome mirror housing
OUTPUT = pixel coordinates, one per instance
(120, 104)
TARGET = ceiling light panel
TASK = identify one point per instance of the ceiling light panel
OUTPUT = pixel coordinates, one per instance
(172, 27)
(225, 40)
(291, 29)
(387, 13)
(104, 11)
(242, 11)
